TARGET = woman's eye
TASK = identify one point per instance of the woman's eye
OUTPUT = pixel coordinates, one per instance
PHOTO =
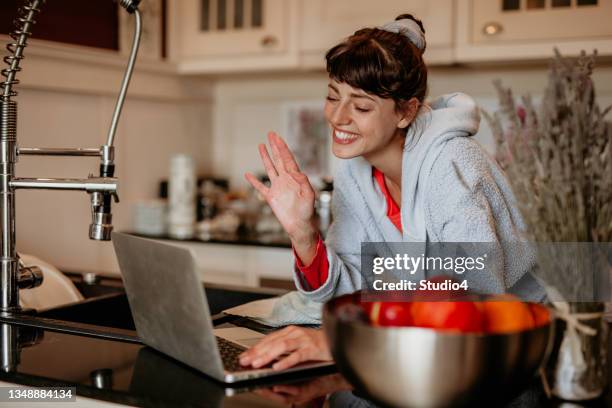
(360, 109)
(331, 98)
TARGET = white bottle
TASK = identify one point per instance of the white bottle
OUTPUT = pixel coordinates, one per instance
(181, 197)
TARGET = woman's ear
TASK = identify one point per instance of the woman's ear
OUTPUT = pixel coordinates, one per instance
(408, 111)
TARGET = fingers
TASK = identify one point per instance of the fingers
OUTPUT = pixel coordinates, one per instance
(271, 341)
(258, 185)
(285, 154)
(276, 155)
(289, 332)
(267, 162)
(270, 351)
(295, 343)
(282, 160)
(292, 359)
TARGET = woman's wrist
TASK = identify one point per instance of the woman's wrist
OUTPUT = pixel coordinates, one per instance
(304, 242)
(305, 232)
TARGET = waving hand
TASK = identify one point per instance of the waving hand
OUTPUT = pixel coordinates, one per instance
(290, 195)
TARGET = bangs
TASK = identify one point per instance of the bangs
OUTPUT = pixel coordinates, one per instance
(366, 65)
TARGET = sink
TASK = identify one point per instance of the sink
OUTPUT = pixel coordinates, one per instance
(109, 315)
(112, 310)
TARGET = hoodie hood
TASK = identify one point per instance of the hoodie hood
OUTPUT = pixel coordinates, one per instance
(445, 118)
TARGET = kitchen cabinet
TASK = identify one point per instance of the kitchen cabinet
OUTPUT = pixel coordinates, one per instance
(324, 23)
(68, 22)
(232, 35)
(530, 29)
(240, 264)
(206, 36)
(295, 34)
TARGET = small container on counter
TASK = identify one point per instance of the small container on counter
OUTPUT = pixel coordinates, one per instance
(209, 193)
(182, 197)
(149, 217)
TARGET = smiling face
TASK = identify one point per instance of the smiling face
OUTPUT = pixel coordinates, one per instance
(363, 124)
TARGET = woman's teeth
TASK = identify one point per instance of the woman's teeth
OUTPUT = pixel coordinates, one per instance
(344, 138)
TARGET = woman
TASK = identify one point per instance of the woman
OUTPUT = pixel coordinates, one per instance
(412, 174)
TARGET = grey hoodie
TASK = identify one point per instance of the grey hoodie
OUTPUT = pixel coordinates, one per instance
(452, 191)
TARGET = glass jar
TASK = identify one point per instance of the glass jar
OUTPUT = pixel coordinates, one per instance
(577, 369)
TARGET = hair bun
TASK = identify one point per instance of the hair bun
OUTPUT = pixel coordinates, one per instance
(410, 27)
(413, 18)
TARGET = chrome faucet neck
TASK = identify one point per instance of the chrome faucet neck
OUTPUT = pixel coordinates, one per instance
(101, 189)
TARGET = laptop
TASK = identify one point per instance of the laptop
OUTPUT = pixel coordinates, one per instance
(171, 313)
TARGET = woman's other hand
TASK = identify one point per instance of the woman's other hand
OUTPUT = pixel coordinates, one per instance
(290, 196)
(291, 345)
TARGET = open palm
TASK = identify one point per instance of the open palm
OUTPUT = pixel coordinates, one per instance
(290, 194)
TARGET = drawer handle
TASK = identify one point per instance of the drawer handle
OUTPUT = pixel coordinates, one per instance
(269, 41)
(491, 29)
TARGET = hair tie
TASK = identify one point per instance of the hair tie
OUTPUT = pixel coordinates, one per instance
(408, 28)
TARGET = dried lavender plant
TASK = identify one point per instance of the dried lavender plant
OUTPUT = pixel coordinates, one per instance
(558, 159)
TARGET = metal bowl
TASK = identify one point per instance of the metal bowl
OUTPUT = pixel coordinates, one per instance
(419, 367)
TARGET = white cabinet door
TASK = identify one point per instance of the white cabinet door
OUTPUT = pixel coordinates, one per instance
(217, 263)
(327, 22)
(231, 35)
(530, 29)
(239, 264)
(273, 263)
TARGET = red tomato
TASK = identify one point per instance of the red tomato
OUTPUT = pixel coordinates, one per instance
(541, 315)
(457, 316)
(395, 314)
(389, 313)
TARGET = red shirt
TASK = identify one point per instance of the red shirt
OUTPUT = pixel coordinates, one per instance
(316, 273)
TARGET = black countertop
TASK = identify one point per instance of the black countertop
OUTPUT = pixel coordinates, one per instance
(124, 371)
(133, 374)
(270, 240)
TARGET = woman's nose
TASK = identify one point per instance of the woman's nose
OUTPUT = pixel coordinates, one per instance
(340, 116)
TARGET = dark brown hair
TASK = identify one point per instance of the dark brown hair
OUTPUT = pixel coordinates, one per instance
(381, 63)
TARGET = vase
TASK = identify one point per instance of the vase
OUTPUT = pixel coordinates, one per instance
(577, 369)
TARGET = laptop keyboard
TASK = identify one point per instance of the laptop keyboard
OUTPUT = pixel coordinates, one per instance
(229, 355)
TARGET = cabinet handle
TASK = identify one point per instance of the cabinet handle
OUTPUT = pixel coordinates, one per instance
(269, 41)
(491, 29)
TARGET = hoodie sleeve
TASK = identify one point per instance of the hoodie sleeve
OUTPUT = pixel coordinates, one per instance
(316, 272)
(468, 199)
(343, 244)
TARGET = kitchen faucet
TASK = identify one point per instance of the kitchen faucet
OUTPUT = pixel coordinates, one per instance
(13, 274)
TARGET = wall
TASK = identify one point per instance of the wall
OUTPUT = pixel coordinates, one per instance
(246, 107)
(66, 99)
